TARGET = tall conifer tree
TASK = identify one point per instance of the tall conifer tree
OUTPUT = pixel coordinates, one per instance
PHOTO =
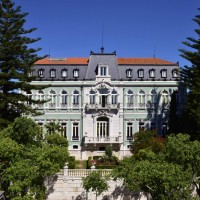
(191, 77)
(16, 61)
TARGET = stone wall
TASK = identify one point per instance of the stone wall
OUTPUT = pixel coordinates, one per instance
(68, 186)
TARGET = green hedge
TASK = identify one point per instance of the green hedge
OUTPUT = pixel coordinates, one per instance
(72, 163)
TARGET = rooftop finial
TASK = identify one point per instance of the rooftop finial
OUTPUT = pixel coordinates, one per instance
(102, 48)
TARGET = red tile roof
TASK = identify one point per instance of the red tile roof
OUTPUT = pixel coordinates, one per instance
(65, 61)
(143, 61)
(121, 61)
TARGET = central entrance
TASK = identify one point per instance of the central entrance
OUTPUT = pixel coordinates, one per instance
(102, 127)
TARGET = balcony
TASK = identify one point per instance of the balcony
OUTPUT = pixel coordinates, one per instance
(52, 105)
(102, 106)
(91, 140)
(63, 105)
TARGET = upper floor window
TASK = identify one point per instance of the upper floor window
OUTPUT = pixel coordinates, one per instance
(153, 98)
(165, 97)
(64, 98)
(41, 73)
(129, 73)
(141, 73)
(130, 98)
(40, 95)
(76, 97)
(129, 131)
(164, 73)
(29, 95)
(175, 73)
(152, 73)
(141, 99)
(103, 70)
(75, 133)
(114, 97)
(76, 73)
(141, 126)
(92, 97)
(64, 73)
(52, 73)
(52, 96)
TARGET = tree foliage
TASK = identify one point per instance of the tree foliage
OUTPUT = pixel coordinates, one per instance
(191, 77)
(16, 62)
(26, 159)
(170, 174)
(95, 182)
(147, 139)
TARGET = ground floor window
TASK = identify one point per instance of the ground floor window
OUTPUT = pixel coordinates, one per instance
(75, 134)
(64, 129)
(129, 131)
(141, 126)
(102, 127)
(164, 129)
(153, 126)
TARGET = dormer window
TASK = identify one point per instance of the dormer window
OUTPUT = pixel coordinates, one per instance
(76, 73)
(64, 73)
(129, 73)
(152, 73)
(103, 70)
(141, 73)
(174, 73)
(52, 73)
(41, 73)
(164, 73)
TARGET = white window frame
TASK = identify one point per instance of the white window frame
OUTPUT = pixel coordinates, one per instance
(92, 97)
(130, 99)
(102, 129)
(64, 128)
(129, 73)
(141, 99)
(41, 73)
(103, 70)
(52, 73)
(64, 99)
(129, 131)
(114, 97)
(75, 97)
(141, 73)
(52, 95)
(175, 73)
(163, 73)
(64, 73)
(76, 73)
(152, 73)
(75, 131)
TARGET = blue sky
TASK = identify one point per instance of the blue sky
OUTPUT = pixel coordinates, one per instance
(134, 28)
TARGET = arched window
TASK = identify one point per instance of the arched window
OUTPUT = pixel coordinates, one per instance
(75, 98)
(165, 97)
(103, 97)
(63, 99)
(40, 97)
(153, 98)
(29, 95)
(92, 97)
(129, 98)
(141, 99)
(102, 127)
(52, 95)
(114, 97)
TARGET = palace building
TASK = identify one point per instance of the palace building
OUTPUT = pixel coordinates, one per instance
(103, 100)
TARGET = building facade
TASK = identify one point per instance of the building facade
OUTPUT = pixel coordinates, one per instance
(103, 100)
